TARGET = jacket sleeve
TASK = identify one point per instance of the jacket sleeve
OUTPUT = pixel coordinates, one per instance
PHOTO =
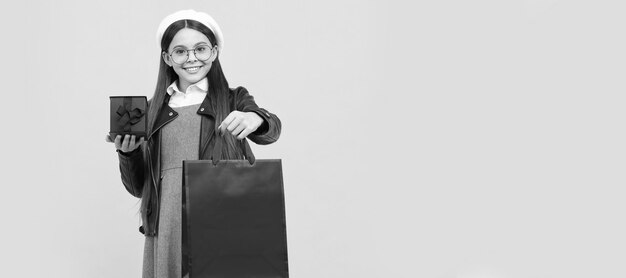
(132, 168)
(269, 131)
(132, 171)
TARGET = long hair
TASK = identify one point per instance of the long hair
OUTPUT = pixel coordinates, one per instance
(218, 94)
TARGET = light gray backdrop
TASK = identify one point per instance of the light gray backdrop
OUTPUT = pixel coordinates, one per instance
(420, 138)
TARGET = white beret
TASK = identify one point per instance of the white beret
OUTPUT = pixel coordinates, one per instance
(201, 17)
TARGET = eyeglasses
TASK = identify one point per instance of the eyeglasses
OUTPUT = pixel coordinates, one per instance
(180, 55)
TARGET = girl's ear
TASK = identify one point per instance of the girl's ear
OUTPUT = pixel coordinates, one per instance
(215, 53)
(166, 58)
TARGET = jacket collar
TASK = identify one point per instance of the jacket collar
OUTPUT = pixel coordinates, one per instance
(167, 114)
(206, 108)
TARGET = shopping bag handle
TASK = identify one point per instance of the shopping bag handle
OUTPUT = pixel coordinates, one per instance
(217, 151)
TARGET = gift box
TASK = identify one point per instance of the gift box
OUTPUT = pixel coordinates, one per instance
(128, 116)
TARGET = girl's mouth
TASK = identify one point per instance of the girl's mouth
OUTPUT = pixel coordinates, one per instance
(193, 69)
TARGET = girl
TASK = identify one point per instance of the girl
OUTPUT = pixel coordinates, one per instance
(191, 108)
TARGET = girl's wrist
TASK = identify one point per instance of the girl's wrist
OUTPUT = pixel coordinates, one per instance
(263, 125)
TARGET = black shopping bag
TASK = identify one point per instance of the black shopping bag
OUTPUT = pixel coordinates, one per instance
(233, 217)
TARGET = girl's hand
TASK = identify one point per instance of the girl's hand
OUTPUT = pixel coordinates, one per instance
(240, 124)
(126, 146)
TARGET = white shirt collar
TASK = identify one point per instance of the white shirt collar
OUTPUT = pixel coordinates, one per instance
(194, 94)
(202, 85)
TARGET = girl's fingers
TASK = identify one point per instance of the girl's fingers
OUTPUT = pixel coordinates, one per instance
(118, 142)
(226, 122)
(140, 142)
(125, 143)
(131, 144)
(234, 124)
(107, 138)
(238, 130)
(244, 133)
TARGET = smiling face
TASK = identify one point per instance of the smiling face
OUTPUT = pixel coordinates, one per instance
(194, 69)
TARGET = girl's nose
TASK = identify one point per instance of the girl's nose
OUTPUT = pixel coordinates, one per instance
(192, 56)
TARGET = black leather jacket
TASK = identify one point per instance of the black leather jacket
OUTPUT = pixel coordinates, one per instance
(142, 167)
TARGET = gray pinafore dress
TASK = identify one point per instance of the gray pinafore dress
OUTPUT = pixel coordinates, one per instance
(180, 140)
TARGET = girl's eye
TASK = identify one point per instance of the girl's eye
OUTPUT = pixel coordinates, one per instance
(179, 51)
(201, 48)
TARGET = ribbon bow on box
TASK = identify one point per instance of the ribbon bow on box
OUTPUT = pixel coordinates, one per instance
(128, 117)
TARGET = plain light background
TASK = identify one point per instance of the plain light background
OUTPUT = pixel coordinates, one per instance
(420, 138)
